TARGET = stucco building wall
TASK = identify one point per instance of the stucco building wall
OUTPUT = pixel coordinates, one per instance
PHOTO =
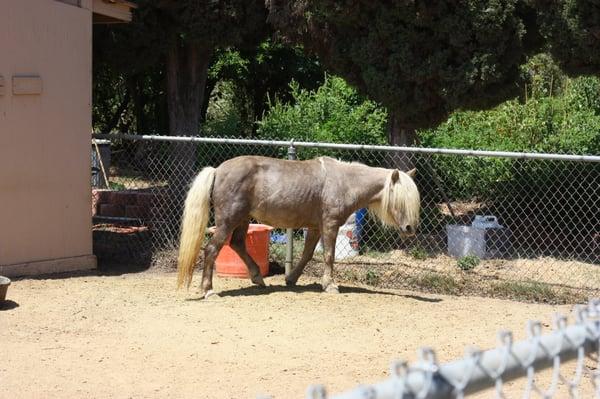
(45, 124)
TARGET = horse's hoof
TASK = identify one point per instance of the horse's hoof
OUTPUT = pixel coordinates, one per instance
(260, 282)
(290, 283)
(210, 294)
(332, 289)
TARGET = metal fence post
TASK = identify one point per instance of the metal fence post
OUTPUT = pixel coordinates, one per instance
(289, 253)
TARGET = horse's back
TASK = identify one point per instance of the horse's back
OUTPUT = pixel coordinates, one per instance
(274, 191)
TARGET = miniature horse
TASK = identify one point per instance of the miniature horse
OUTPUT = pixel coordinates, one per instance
(318, 194)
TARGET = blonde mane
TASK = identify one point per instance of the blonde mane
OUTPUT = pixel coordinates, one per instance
(400, 202)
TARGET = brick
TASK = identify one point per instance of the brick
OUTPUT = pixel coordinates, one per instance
(136, 211)
(101, 196)
(145, 200)
(123, 198)
(111, 210)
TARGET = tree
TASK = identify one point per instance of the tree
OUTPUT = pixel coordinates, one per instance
(191, 31)
(420, 59)
(332, 113)
(571, 29)
(263, 73)
(180, 37)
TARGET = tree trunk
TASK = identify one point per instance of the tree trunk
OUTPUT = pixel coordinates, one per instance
(187, 68)
(210, 85)
(402, 135)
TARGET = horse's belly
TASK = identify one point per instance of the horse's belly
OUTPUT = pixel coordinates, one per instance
(289, 219)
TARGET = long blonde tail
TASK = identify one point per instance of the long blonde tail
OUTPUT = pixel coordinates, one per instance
(193, 225)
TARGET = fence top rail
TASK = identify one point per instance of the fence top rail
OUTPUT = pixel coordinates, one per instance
(359, 147)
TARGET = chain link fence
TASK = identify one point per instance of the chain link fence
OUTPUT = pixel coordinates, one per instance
(524, 226)
(545, 360)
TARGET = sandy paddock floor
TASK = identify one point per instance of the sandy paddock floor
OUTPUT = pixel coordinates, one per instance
(133, 336)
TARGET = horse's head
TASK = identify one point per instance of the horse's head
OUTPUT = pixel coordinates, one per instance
(400, 202)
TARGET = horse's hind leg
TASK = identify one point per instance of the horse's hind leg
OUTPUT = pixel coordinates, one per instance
(329, 237)
(312, 238)
(238, 243)
(211, 251)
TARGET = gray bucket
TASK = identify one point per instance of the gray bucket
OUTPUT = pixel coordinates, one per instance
(485, 238)
(4, 283)
(466, 240)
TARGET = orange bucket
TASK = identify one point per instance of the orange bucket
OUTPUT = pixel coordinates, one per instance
(229, 264)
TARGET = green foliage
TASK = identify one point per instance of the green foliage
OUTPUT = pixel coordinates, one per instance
(583, 94)
(372, 277)
(563, 119)
(247, 78)
(334, 112)
(421, 60)
(418, 252)
(568, 123)
(571, 31)
(468, 262)
(226, 113)
(169, 44)
(215, 23)
(435, 282)
(532, 291)
(116, 186)
(543, 77)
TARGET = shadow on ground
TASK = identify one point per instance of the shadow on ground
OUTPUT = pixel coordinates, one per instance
(271, 289)
(8, 305)
(104, 269)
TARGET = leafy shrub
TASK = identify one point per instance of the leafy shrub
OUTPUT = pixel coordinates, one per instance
(334, 112)
(225, 114)
(566, 124)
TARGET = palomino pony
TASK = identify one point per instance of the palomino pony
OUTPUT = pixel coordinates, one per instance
(319, 194)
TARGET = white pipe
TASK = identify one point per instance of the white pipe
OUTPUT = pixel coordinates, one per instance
(359, 147)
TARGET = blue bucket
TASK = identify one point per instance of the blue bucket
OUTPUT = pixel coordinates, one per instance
(360, 223)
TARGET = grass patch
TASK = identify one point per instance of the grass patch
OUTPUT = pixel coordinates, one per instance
(532, 291)
(418, 253)
(113, 185)
(349, 275)
(372, 277)
(437, 283)
(468, 262)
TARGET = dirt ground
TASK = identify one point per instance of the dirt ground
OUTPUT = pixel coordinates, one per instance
(134, 336)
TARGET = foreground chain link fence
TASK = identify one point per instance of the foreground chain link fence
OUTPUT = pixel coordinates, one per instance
(504, 224)
(484, 370)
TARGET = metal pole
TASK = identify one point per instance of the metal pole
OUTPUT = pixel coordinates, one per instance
(357, 147)
(289, 253)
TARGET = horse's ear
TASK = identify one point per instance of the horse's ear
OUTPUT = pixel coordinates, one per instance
(412, 173)
(395, 176)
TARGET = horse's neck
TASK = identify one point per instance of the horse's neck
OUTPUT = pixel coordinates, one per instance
(365, 183)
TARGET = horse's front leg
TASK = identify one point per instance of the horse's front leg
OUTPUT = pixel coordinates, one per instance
(329, 237)
(312, 238)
